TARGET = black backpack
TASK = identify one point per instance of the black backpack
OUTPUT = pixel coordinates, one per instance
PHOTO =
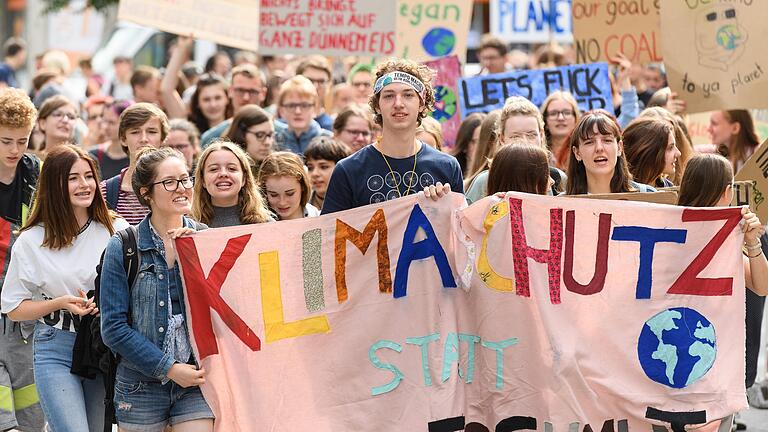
(89, 355)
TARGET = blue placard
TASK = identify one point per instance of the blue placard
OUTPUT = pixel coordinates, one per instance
(589, 84)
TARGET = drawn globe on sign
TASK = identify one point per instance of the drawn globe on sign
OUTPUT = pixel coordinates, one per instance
(439, 42)
(677, 347)
(729, 37)
(445, 104)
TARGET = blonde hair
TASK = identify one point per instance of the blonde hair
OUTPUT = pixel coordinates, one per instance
(286, 164)
(298, 85)
(432, 127)
(16, 110)
(249, 201)
(518, 106)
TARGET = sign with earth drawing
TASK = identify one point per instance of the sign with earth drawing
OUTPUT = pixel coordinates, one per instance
(446, 96)
(432, 29)
(713, 53)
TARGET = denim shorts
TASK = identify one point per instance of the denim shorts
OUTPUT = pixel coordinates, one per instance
(143, 403)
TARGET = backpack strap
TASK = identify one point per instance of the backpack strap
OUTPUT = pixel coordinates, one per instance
(130, 254)
(113, 193)
(100, 154)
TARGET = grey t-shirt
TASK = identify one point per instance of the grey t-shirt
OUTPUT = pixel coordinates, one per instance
(225, 217)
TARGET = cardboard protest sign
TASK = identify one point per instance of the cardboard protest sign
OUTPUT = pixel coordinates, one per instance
(665, 196)
(233, 23)
(713, 53)
(330, 28)
(744, 194)
(589, 84)
(755, 173)
(446, 96)
(428, 30)
(415, 315)
(603, 28)
(532, 21)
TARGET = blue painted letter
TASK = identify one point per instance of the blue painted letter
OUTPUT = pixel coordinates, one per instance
(647, 237)
(429, 247)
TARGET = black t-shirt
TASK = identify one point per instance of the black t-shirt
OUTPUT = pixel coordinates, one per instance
(10, 198)
(108, 167)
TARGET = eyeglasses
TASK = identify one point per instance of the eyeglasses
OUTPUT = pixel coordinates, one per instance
(565, 113)
(318, 82)
(172, 185)
(302, 106)
(355, 133)
(522, 136)
(58, 115)
(244, 91)
(261, 136)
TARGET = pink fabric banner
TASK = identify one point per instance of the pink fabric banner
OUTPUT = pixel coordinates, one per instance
(529, 312)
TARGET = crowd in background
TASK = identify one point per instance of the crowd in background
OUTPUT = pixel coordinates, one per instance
(262, 139)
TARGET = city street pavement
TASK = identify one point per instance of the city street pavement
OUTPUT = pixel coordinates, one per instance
(755, 419)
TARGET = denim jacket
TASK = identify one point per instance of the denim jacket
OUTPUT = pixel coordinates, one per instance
(139, 345)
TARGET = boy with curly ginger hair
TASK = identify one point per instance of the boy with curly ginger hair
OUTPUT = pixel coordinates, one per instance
(397, 164)
(19, 404)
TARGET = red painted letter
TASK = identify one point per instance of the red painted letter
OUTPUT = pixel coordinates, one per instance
(203, 294)
(521, 251)
(601, 255)
(689, 283)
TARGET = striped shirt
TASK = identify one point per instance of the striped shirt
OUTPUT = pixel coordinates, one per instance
(128, 205)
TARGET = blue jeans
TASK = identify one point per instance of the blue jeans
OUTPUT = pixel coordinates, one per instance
(144, 404)
(69, 402)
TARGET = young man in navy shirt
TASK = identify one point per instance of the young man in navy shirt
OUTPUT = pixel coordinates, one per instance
(397, 164)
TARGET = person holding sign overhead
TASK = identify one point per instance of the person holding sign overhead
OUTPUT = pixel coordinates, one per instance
(398, 164)
(597, 164)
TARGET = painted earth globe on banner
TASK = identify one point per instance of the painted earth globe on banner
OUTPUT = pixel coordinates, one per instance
(677, 347)
(439, 42)
(445, 104)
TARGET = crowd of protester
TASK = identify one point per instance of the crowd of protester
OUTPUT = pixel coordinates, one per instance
(261, 140)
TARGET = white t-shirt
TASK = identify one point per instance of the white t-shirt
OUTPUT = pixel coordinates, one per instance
(38, 273)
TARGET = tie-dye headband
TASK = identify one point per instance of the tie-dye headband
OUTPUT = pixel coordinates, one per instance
(399, 77)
